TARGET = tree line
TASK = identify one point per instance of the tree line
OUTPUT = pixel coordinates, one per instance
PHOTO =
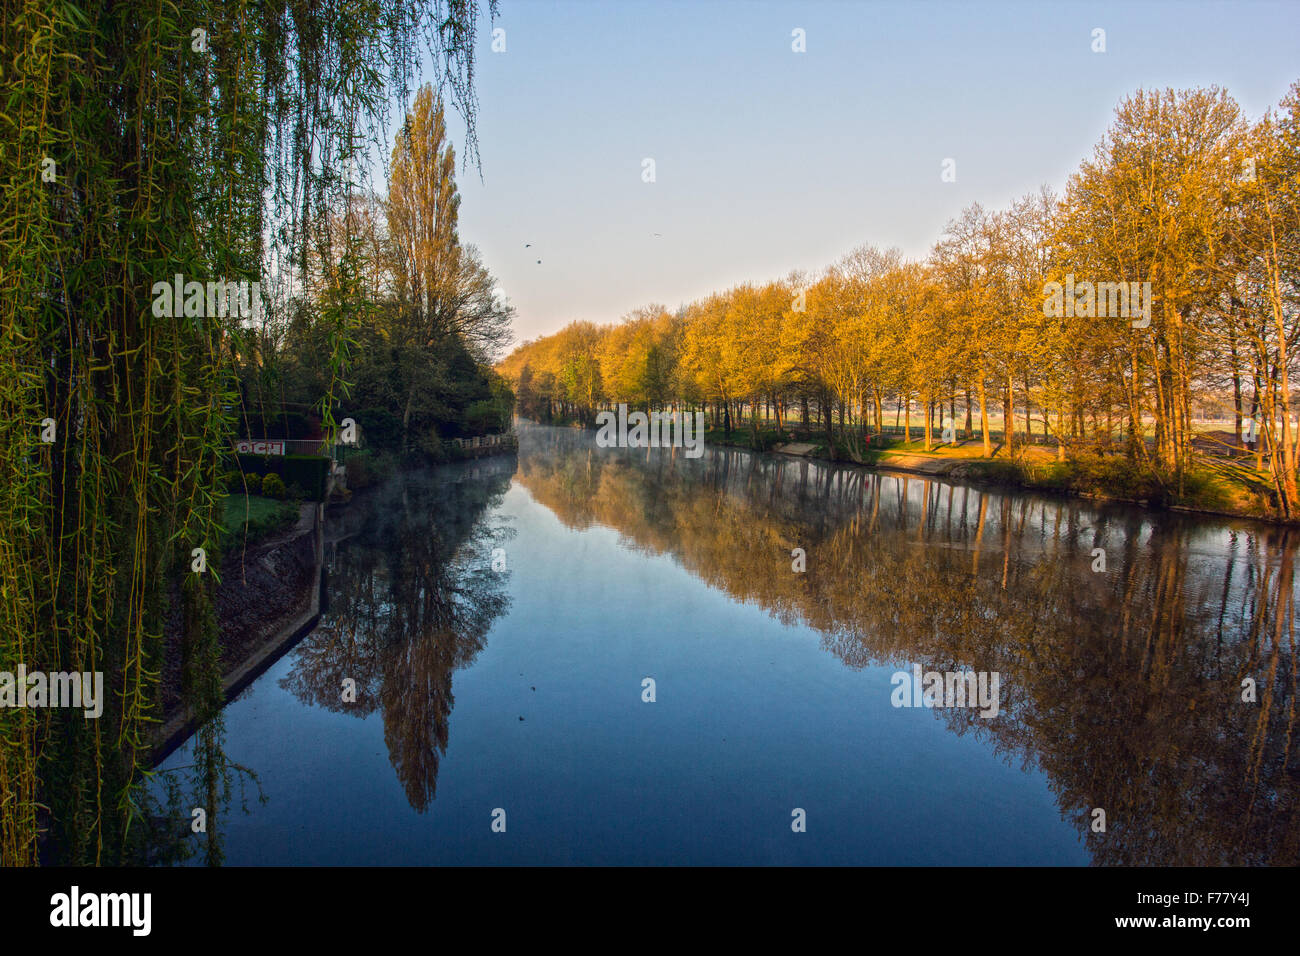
(1189, 204)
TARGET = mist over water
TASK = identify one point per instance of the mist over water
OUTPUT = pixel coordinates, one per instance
(1120, 689)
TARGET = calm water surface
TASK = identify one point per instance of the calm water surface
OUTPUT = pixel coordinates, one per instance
(521, 689)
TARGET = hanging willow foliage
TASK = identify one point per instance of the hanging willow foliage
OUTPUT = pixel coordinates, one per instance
(132, 148)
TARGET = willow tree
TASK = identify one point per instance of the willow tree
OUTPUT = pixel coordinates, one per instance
(204, 139)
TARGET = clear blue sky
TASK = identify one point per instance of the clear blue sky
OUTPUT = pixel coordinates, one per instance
(769, 160)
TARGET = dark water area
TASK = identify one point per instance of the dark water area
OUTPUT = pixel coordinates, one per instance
(500, 619)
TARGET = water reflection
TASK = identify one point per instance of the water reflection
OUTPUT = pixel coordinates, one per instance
(1124, 686)
(412, 596)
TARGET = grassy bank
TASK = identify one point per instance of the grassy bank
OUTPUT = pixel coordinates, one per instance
(252, 518)
(1213, 485)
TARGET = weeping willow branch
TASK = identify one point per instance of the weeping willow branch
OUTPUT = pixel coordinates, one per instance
(138, 142)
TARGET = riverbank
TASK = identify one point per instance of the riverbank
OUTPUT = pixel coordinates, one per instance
(270, 594)
(268, 598)
(1227, 488)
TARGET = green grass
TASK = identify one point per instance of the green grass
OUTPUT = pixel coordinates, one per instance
(263, 517)
(1211, 484)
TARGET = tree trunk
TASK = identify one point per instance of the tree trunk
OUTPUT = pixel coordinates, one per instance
(1284, 393)
(929, 422)
(1060, 437)
(406, 420)
(984, 419)
(1008, 419)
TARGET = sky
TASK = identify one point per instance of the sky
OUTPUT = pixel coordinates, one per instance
(768, 160)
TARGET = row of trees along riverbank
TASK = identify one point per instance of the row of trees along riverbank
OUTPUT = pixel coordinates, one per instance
(1183, 192)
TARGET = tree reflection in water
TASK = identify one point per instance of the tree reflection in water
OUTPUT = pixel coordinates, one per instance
(1124, 686)
(412, 595)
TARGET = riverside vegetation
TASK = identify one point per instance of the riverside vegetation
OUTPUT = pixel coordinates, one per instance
(218, 142)
(1184, 200)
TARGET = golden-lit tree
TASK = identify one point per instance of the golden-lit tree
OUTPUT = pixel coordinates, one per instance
(1165, 199)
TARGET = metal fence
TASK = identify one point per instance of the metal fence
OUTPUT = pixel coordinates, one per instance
(324, 448)
(484, 441)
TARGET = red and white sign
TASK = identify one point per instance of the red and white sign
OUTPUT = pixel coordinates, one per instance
(250, 446)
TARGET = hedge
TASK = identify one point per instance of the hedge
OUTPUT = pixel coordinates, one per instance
(309, 472)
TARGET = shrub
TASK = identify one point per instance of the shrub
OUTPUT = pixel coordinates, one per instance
(433, 447)
(483, 416)
(233, 481)
(1094, 473)
(365, 467)
(309, 472)
(358, 469)
(273, 486)
(999, 471)
(254, 483)
(1206, 489)
(380, 428)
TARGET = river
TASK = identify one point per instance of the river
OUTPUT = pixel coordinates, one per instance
(627, 656)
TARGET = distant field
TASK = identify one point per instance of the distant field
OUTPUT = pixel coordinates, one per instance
(1199, 426)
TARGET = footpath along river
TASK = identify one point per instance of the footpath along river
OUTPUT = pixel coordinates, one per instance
(500, 620)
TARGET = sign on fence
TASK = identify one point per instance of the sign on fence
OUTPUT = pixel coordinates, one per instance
(250, 446)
